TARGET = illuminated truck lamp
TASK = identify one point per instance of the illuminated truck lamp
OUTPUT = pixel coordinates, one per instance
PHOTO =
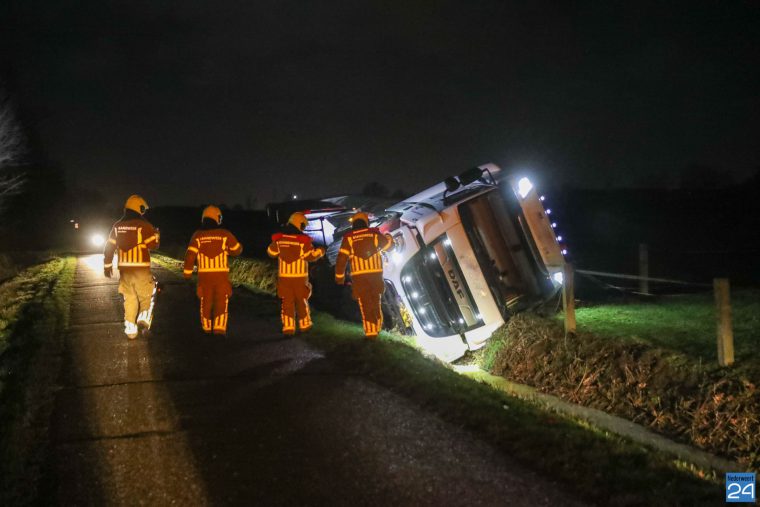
(524, 186)
(558, 277)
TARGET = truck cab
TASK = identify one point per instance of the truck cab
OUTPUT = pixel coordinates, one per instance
(469, 253)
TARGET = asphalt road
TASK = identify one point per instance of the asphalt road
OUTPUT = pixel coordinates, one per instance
(180, 418)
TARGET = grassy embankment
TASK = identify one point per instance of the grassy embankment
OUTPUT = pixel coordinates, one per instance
(33, 316)
(653, 363)
(596, 465)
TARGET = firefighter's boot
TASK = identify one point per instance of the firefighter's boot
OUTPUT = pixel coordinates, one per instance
(131, 329)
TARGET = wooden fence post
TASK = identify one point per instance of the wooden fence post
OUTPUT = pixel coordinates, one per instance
(725, 331)
(644, 268)
(568, 298)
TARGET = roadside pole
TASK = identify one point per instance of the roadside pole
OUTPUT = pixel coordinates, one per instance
(725, 331)
(568, 298)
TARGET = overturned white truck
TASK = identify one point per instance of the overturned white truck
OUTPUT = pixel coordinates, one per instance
(469, 252)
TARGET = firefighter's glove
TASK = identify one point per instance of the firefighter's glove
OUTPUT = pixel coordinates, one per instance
(108, 272)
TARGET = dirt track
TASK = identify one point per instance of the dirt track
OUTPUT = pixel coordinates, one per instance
(251, 419)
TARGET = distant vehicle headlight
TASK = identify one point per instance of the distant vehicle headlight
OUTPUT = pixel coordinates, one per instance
(97, 240)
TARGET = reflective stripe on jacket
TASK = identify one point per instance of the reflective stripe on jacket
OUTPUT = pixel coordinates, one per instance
(294, 252)
(363, 248)
(210, 248)
(131, 238)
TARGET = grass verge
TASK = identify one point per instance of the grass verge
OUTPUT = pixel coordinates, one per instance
(596, 465)
(676, 394)
(34, 314)
(682, 323)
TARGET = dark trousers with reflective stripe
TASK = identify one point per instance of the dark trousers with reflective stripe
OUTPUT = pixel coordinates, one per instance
(214, 291)
(368, 289)
(294, 292)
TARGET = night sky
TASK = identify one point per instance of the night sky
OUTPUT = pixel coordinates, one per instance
(188, 102)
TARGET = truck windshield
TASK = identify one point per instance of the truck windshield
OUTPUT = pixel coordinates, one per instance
(439, 297)
(501, 249)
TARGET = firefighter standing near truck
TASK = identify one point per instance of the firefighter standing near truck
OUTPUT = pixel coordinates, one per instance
(132, 237)
(294, 252)
(210, 248)
(362, 246)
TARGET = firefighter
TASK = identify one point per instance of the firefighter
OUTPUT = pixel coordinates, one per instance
(294, 251)
(210, 248)
(363, 246)
(132, 237)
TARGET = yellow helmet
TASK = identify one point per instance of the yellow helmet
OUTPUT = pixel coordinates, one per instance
(360, 215)
(137, 204)
(213, 213)
(298, 220)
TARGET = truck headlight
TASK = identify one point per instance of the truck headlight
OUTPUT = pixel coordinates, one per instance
(559, 277)
(524, 186)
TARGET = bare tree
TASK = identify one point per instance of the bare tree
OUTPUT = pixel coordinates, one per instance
(11, 150)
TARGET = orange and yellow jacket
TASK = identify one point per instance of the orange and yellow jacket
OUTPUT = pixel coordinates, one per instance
(363, 247)
(210, 248)
(132, 237)
(294, 252)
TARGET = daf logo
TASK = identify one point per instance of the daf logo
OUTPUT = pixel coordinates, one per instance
(455, 284)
